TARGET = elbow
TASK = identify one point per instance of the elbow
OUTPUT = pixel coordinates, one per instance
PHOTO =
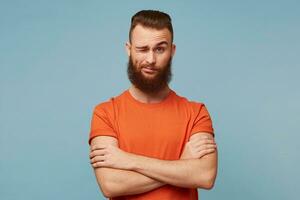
(108, 189)
(208, 185)
(109, 185)
(207, 182)
(106, 192)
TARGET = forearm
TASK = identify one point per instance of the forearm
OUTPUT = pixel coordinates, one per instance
(121, 173)
(116, 182)
(191, 173)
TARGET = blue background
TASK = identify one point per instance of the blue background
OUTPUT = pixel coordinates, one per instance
(58, 59)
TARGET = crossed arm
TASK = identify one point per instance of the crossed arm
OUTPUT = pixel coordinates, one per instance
(120, 173)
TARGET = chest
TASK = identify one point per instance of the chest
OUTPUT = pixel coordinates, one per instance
(159, 133)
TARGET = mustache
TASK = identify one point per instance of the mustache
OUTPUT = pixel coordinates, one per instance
(153, 67)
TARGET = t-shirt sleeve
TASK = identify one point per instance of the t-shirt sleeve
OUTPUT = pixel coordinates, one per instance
(202, 120)
(102, 123)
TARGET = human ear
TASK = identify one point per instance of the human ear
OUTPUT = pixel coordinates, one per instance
(173, 49)
(128, 47)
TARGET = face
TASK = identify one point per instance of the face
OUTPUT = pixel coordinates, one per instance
(150, 55)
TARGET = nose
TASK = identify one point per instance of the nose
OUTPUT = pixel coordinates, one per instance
(150, 58)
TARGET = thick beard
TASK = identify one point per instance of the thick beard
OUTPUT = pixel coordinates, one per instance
(149, 85)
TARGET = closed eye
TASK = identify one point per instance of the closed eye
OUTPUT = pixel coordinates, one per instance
(142, 49)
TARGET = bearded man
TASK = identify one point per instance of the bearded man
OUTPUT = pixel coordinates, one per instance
(149, 143)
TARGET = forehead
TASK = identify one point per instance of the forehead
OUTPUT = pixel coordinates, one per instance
(144, 36)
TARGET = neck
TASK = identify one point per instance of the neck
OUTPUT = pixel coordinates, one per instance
(149, 98)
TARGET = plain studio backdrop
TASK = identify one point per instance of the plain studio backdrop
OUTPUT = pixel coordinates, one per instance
(58, 59)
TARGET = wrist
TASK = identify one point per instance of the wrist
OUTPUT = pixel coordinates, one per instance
(136, 162)
(132, 162)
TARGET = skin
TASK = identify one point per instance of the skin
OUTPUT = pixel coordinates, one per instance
(150, 50)
(115, 182)
(121, 173)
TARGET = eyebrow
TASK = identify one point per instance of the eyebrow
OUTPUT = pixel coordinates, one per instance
(158, 44)
(162, 43)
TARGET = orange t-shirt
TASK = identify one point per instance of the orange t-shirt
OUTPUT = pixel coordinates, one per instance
(157, 130)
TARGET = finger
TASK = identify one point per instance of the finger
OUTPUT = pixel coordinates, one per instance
(98, 164)
(206, 146)
(97, 153)
(97, 147)
(202, 138)
(206, 152)
(203, 148)
(97, 159)
(205, 137)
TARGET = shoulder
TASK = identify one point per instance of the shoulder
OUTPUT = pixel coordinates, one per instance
(189, 104)
(108, 106)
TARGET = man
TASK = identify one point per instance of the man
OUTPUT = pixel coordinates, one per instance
(148, 142)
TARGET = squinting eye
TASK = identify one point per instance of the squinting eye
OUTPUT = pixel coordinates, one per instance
(159, 50)
(142, 50)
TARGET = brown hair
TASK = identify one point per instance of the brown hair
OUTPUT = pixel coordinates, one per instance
(151, 19)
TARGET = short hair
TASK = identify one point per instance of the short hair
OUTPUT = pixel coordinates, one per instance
(151, 19)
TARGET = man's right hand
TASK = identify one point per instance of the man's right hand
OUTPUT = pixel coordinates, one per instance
(198, 147)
